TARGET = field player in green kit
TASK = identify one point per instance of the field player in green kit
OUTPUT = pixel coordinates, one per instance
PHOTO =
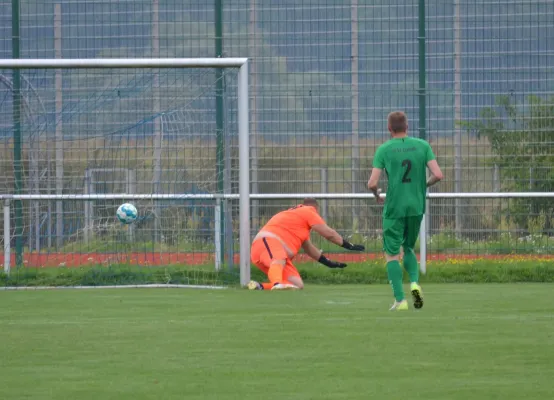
(405, 160)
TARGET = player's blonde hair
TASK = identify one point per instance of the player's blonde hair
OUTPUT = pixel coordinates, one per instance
(398, 122)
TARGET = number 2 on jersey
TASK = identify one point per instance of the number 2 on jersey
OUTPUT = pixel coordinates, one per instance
(408, 165)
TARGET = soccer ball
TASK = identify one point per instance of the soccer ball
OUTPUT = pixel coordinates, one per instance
(127, 213)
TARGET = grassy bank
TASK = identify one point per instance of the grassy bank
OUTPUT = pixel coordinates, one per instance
(503, 270)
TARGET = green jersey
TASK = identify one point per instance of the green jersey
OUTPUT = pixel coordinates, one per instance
(405, 162)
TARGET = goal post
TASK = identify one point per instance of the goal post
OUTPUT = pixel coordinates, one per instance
(155, 64)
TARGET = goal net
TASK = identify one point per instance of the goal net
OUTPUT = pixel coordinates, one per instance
(81, 137)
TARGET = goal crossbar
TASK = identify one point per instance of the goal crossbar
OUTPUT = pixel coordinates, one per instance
(243, 121)
(87, 63)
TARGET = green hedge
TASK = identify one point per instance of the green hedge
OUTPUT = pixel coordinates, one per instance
(116, 275)
(373, 272)
(485, 271)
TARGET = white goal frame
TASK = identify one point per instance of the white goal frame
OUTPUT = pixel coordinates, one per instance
(243, 133)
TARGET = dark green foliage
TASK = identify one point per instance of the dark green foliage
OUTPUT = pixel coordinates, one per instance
(371, 272)
(522, 140)
(117, 275)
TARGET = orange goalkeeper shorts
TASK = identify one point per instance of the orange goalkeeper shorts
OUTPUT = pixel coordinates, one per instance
(265, 250)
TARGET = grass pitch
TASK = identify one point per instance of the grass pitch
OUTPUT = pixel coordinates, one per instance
(327, 342)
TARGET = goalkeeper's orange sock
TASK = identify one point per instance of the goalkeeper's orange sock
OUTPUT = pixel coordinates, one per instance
(267, 285)
(275, 273)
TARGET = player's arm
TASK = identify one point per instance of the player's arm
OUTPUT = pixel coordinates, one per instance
(373, 183)
(333, 236)
(378, 166)
(316, 254)
(436, 173)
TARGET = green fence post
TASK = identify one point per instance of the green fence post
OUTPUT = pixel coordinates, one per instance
(220, 139)
(422, 90)
(18, 178)
(422, 104)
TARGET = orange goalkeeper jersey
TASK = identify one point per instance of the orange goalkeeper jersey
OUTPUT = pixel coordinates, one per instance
(293, 226)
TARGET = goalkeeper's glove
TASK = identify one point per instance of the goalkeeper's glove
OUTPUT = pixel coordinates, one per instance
(331, 264)
(349, 246)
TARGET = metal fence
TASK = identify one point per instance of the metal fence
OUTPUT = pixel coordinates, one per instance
(475, 78)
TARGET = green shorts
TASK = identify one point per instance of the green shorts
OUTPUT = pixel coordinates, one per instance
(400, 232)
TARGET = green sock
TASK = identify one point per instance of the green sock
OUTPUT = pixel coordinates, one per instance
(394, 272)
(410, 265)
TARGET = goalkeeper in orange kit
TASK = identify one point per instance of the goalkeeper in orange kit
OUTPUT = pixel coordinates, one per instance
(278, 242)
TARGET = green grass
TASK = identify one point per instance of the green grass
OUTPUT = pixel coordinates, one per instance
(327, 342)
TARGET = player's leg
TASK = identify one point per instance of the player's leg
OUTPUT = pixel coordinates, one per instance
(411, 234)
(262, 257)
(393, 235)
(292, 276)
(278, 260)
(257, 258)
(270, 257)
